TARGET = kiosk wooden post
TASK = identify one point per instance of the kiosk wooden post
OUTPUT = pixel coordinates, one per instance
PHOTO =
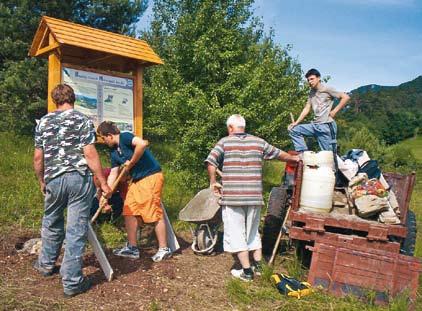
(54, 71)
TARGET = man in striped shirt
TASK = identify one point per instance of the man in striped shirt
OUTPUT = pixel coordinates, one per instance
(241, 157)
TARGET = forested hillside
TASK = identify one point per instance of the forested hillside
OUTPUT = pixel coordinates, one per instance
(391, 113)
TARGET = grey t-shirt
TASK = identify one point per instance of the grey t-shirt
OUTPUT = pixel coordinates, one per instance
(321, 101)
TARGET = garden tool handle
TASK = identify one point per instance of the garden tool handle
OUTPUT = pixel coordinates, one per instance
(280, 234)
(292, 118)
(113, 188)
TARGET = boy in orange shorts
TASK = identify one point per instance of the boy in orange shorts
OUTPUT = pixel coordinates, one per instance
(143, 199)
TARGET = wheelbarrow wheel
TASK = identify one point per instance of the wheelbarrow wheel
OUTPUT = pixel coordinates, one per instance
(204, 239)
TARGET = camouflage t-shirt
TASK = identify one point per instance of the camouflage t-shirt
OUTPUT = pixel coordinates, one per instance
(62, 135)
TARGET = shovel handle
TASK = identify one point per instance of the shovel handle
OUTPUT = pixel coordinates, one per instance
(292, 118)
(113, 188)
(280, 234)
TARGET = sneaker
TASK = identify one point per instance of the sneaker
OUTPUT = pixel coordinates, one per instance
(127, 251)
(162, 253)
(83, 287)
(240, 274)
(257, 268)
(44, 271)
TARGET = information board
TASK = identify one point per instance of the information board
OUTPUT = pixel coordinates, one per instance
(102, 97)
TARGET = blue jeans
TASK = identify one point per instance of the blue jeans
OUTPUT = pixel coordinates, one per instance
(325, 135)
(74, 192)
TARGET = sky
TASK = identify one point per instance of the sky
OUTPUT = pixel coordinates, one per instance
(355, 42)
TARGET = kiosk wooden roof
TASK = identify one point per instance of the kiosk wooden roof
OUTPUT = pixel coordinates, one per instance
(72, 45)
(92, 47)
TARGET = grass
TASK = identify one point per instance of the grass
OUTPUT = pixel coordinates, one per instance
(415, 144)
(261, 292)
(21, 207)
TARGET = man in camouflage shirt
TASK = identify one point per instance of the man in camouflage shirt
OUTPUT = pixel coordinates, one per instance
(64, 160)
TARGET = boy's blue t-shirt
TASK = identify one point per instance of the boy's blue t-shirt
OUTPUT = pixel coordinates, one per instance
(147, 164)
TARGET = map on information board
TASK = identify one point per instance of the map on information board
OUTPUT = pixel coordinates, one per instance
(102, 97)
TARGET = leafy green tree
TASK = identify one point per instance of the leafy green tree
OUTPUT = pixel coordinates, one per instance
(218, 61)
(23, 81)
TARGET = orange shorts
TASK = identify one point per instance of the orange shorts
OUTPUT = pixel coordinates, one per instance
(144, 198)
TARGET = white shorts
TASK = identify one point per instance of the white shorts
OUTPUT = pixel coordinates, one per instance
(241, 225)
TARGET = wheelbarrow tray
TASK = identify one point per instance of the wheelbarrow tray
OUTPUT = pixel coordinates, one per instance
(202, 208)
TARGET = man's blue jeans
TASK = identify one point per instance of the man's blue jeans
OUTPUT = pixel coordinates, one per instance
(321, 131)
(74, 192)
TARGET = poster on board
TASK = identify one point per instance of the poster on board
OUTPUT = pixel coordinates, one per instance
(102, 97)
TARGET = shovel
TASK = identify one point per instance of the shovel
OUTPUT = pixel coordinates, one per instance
(92, 237)
(113, 188)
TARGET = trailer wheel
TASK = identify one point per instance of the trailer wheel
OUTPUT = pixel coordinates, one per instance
(408, 244)
(277, 208)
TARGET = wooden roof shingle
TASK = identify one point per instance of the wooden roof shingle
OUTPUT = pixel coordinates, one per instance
(84, 37)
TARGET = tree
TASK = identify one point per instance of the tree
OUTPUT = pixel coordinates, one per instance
(23, 81)
(218, 61)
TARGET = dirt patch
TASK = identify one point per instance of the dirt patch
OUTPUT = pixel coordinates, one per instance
(184, 282)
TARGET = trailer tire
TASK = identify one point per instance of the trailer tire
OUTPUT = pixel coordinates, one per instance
(408, 244)
(277, 208)
(277, 202)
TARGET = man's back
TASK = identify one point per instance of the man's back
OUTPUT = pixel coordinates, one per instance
(241, 156)
(62, 136)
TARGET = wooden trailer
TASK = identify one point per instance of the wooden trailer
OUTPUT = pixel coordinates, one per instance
(348, 254)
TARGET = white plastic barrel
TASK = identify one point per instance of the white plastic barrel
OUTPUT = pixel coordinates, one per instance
(322, 158)
(317, 182)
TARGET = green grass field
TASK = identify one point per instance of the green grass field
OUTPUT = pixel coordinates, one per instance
(21, 205)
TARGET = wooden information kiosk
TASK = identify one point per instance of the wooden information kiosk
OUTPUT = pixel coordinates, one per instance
(105, 70)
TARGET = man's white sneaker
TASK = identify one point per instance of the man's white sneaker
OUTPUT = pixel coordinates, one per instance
(240, 274)
(163, 253)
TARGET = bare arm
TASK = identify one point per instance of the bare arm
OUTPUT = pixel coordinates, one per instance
(285, 157)
(38, 163)
(214, 185)
(140, 146)
(302, 115)
(344, 98)
(212, 171)
(93, 160)
(114, 173)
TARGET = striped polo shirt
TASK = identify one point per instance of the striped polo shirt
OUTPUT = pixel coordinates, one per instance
(241, 156)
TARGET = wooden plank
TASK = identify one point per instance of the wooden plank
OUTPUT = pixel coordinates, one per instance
(104, 72)
(141, 49)
(44, 39)
(37, 38)
(54, 73)
(122, 67)
(138, 101)
(123, 52)
(57, 23)
(110, 42)
(47, 49)
(353, 223)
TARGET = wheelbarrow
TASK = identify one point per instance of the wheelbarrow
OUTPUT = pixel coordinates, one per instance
(205, 212)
